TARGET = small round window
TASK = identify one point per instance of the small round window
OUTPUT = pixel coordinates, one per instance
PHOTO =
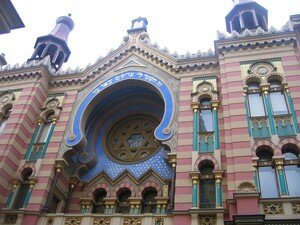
(132, 139)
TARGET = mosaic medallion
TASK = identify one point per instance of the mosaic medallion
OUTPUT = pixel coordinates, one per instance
(132, 139)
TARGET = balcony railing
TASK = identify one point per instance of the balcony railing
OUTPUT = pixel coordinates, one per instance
(260, 127)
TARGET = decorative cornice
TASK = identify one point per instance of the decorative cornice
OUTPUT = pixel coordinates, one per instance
(250, 43)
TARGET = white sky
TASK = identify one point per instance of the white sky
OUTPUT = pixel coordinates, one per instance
(180, 25)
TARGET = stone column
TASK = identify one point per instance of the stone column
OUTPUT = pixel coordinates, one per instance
(173, 161)
(161, 203)
(74, 180)
(49, 134)
(32, 182)
(40, 121)
(255, 173)
(265, 89)
(195, 187)
(215, 104)
(195, 107)
(218, 183)
(86, 205)
(135, 205)
(245, 89)
(110, 205)
(58, 168)
(12, 193)
(279, 163)
(291, 106)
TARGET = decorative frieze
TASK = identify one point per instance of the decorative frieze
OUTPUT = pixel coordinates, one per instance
(273, 208)
(132, 221)
(73, 221)
(159, 221)
(207, 220)
(50, 221)
(101, 221)
(296, 207)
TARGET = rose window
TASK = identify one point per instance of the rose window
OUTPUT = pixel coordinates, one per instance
(132, 139)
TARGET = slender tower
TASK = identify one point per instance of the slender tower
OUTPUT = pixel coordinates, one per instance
(246, 14)
(55, 44)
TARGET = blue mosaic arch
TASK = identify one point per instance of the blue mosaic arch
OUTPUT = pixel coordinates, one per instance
(162, 132)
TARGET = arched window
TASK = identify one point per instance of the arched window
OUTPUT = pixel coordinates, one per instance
(248, 19)
(149, 201)
(52, 50)
(42, 135)
(206, 116)
(260, 21)
(40, 50)
(256, 104)
(207, 187)
(4, 118)
(123, 205)
(206, 126)
(266, 172)
(236, 25)
(277, 97)
(99, 203)
(292, 169)
(22, 189)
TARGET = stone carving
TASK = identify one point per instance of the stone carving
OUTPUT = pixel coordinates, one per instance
(296, 207)
(159, 221)
(73, 221)
(11, 218)
(132, 221)
(207, 220)
(132, 139)
(101, 221)
(273, 208)
(50, 221)
(246, 187)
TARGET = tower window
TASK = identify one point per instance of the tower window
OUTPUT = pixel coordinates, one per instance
(248, 18)
(236, 25)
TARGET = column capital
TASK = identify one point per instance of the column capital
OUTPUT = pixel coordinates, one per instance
(59, 164)
(135, 200)
(218, 174)
(172, 157)
(74, 180)
(110, 201)
(285, 86)
(265, 88)
(162, 200)
(255, 161)
(54, 118)
(215, 104)
(195, 106)
(194, 175)
(15, 182)
(279, 161)
(32, 181)
(40, 120)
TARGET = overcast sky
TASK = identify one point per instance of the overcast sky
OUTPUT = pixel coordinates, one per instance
(179, 25)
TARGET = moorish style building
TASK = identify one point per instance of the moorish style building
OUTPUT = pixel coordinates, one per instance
(146, 137)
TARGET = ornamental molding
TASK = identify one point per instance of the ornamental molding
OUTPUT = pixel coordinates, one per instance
(132, 221)
(207, 220)
(73, 221)
(273, 208)
(296, 207)
(101, 221)
(256, 43)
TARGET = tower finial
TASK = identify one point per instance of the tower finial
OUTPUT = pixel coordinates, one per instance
(55, 44)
